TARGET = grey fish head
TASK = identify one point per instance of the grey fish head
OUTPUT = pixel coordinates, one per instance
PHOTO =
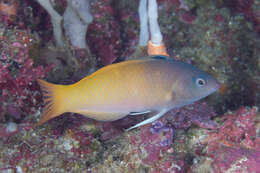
(193, 84)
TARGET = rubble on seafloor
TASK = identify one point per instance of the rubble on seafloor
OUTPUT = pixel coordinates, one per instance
(220, 37)
(75, 143)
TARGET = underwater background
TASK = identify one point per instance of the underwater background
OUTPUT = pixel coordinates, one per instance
(62, 41)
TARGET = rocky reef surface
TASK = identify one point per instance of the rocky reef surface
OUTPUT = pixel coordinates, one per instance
(219, 134)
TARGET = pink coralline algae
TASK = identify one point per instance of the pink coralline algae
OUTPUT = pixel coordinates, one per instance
(107, 35)
(181, 9)
(42, 149)
(198, 113)
(245, 7)
(187, 18)
(236, 144)
(103, 37)
(154, 142)
(109, 131)
(153, 145)
(242, 6)
(18, 90)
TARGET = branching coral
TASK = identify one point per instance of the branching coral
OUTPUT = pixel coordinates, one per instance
(155, 45)
(156, 35)
(18, 92)
(76, 19)
(144, 33)
(55, 20)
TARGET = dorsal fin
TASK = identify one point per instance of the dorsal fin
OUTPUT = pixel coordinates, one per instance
(159, 57)
(156, 57)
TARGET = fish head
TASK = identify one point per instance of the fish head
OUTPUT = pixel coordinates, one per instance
(192, 85)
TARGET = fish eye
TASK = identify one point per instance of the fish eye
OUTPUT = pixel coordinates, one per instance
(200, 82)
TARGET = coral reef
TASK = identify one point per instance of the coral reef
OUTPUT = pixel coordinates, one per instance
(55, 20)
(218, 135)
(75, 143)
(48, 149)
(219, 41)
(112, 35)
(8, 10)
(235, 146)
(198, 113)
(143, 18)
(77, 17)
(19, 93)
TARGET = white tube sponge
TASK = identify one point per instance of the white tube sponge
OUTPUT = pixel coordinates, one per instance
(156, 36)
(55, 20)
(82, 7)
(144, 33)
(77, 16)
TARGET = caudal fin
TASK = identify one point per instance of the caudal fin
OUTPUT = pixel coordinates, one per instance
(53, 98)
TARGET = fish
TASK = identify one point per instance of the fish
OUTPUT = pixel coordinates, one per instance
(154, 84)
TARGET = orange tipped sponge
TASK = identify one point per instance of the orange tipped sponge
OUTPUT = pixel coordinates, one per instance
(154, 49)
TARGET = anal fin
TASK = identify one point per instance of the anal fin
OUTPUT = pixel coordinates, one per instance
(101, 116)
(149, 120)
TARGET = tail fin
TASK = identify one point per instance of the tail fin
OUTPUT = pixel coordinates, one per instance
(53, 98)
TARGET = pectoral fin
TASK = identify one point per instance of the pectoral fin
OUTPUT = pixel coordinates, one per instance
(149, 120)
(139, 113)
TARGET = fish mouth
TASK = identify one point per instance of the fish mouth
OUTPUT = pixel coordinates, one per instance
(216, 84)
(216, 87)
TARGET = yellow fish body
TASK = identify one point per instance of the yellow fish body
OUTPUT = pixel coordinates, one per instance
(154, 84)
